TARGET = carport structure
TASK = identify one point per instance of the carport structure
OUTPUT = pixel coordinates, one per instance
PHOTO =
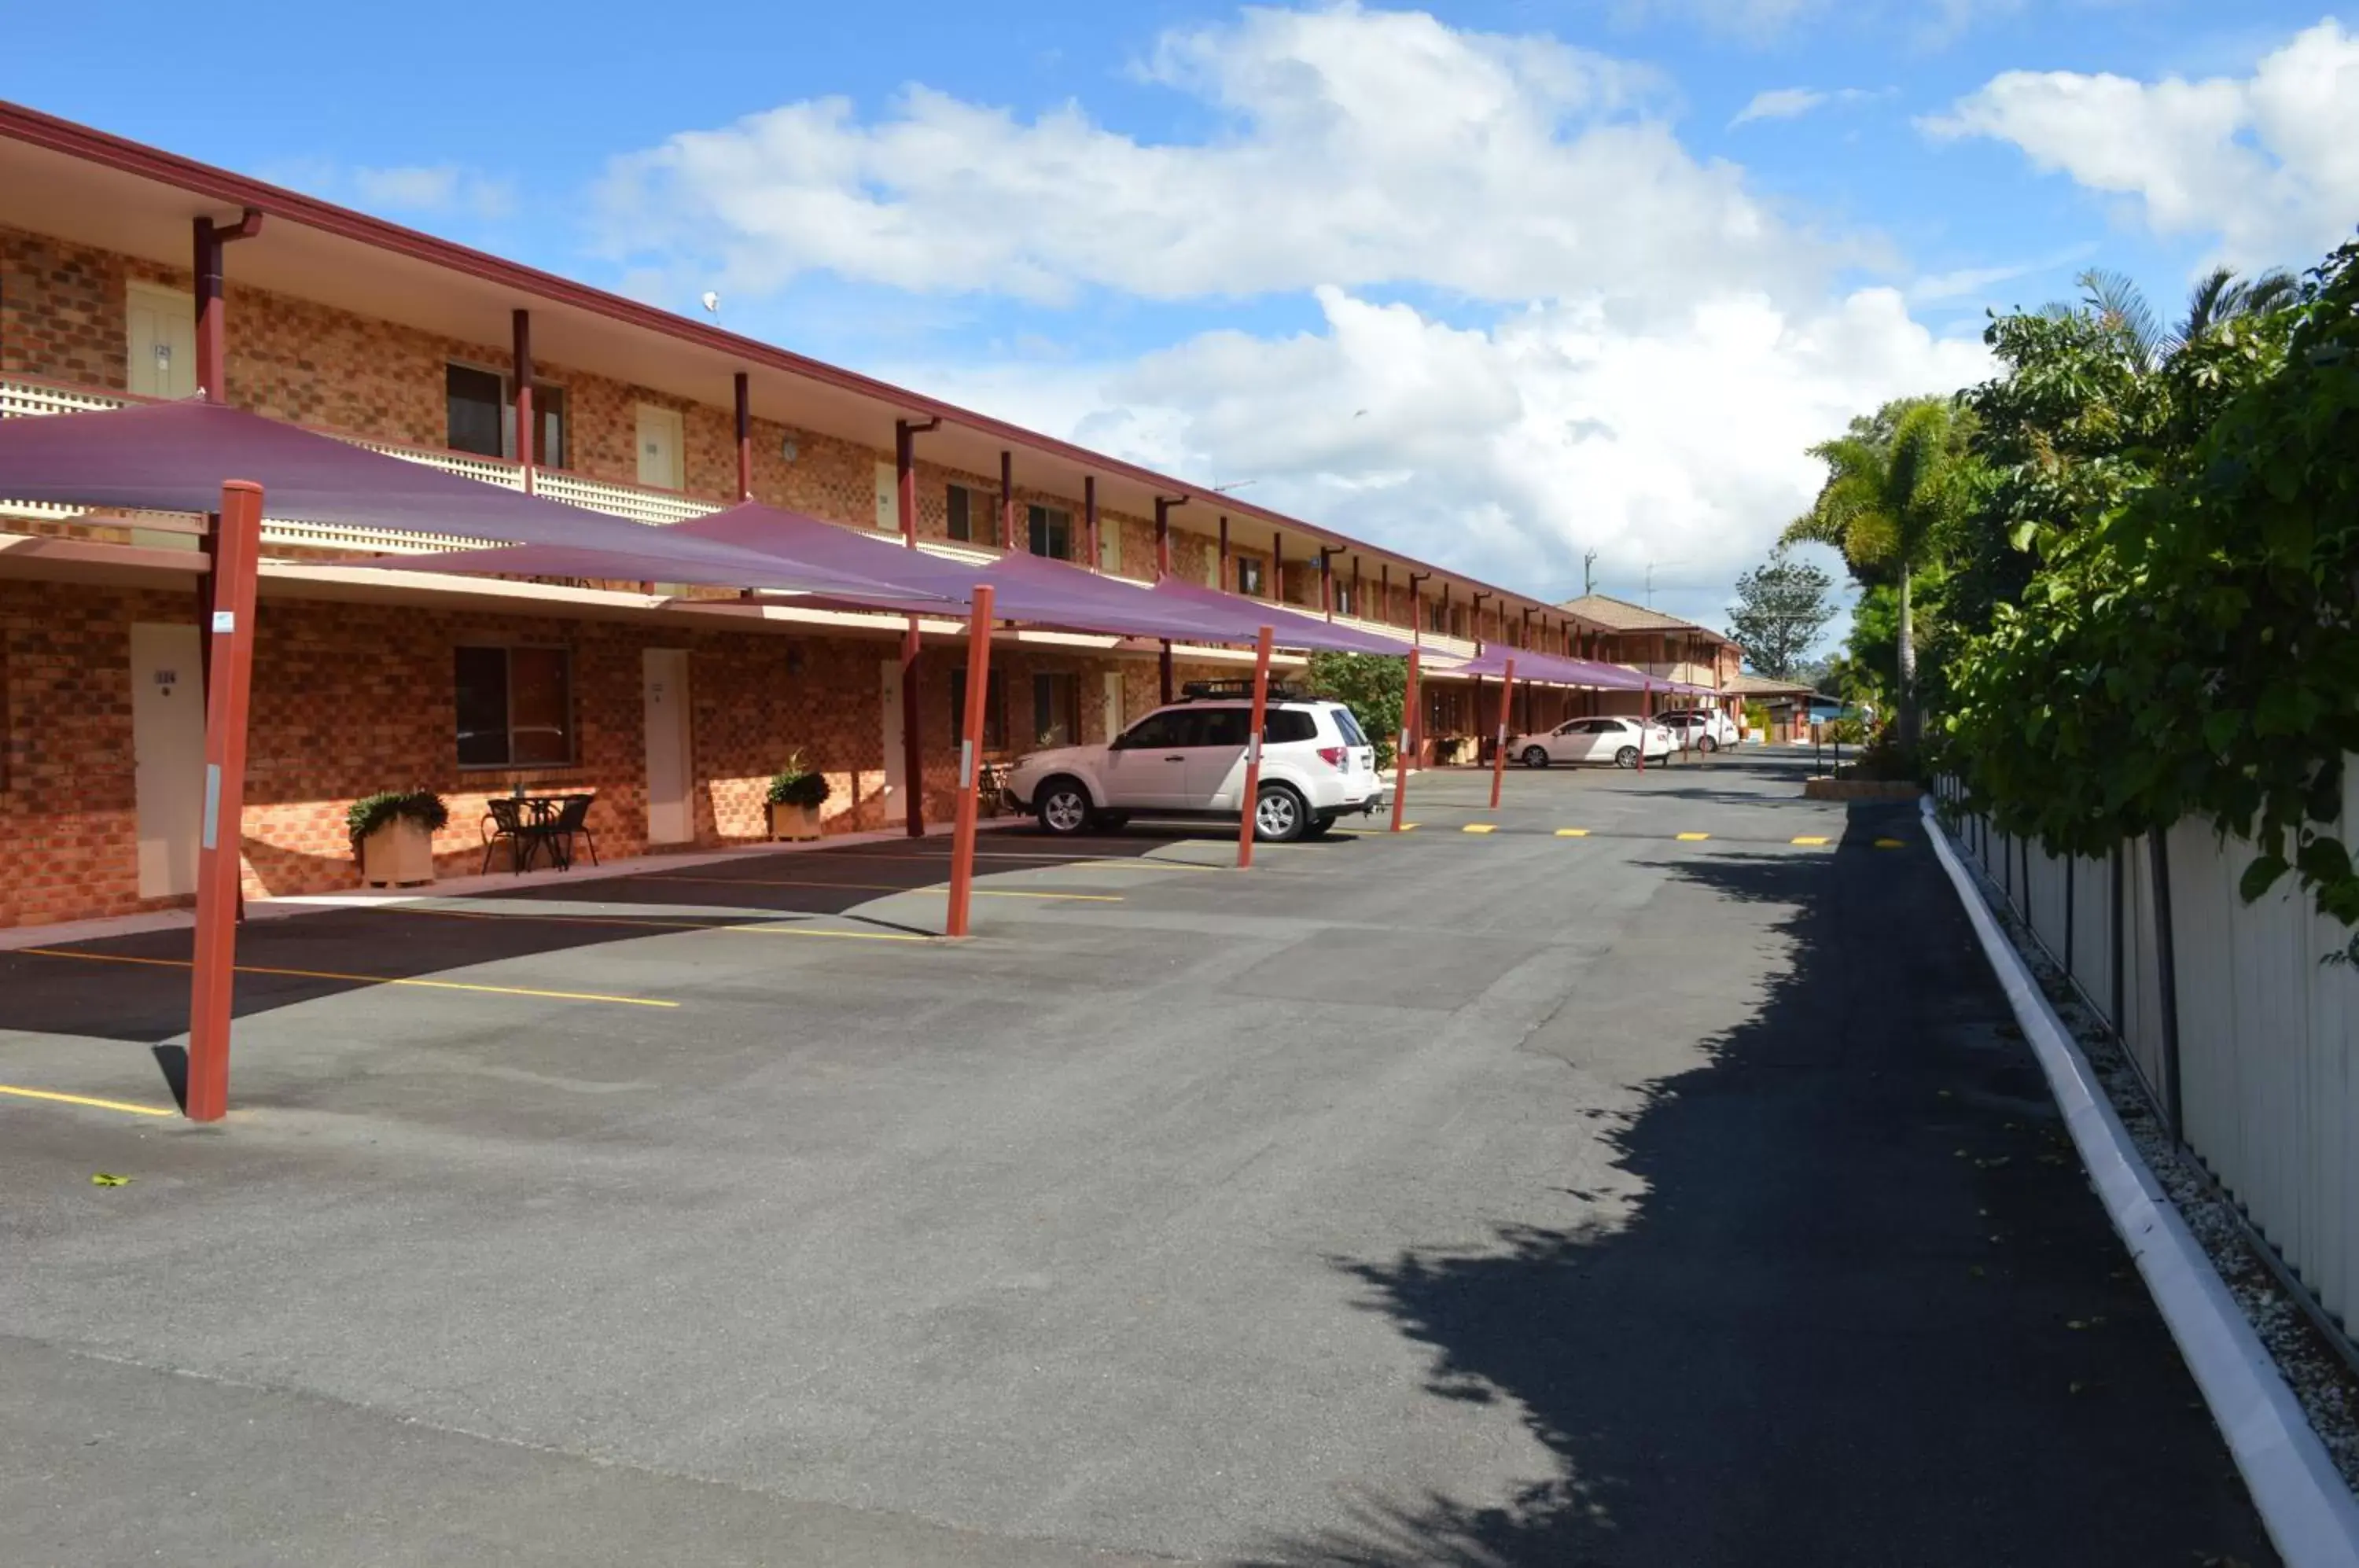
(193, 457)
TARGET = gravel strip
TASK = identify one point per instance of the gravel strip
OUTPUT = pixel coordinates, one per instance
(2310, 1364)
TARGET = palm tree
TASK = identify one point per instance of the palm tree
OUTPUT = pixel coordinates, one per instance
(2218, 298)
(1892, 483)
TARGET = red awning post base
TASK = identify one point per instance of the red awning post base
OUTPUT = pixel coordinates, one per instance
(220, 862)
(1250, 802)
(970, 784)
(1499, 748)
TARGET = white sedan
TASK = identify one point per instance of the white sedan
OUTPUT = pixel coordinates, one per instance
(1613, 739)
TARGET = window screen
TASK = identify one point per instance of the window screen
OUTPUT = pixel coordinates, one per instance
(474, 400)
(514, 705)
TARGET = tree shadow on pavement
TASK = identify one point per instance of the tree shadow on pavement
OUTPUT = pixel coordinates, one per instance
(1865, 1310)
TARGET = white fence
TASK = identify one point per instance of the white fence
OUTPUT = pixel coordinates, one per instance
(2245, 1035)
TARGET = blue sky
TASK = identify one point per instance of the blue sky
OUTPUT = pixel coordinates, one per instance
(1498, 283)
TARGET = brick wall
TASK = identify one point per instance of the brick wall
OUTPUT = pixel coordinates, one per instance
(349, 699)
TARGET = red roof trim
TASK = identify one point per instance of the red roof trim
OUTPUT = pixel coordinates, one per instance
(91, 146)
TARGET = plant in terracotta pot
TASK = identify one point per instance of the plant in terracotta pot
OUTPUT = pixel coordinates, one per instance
(796, 792)
(393, 836)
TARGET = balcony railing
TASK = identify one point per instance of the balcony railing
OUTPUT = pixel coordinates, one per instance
(21, 396)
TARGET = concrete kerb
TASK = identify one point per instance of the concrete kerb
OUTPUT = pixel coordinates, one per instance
(2310, 1514)
(287, 905)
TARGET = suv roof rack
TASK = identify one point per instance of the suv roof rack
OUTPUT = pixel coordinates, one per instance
(1238, 691)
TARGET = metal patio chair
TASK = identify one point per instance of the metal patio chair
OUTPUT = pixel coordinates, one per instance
(572, 819)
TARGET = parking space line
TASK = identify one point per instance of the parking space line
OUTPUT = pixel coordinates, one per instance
(1693, 837)
(364, 979)
(1892, 843)
(1051, 857)
(753, 927)
(1480, 827)
(18, 1091)
(1573, 832)
(1813, 843)
(881, 888)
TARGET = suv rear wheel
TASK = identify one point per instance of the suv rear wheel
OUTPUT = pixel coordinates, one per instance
(1279, 815)
(1627, 757)
(1707, 744)
(1535, 756)
(1063, 806)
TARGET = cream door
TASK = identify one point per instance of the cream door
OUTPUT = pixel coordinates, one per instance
(660, 447)
(160, 361)
(896, 772)
(160, 346)
(888, 499)
(671, 819)
(168, 752)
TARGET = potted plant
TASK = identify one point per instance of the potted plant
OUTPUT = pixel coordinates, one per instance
(796, 792)
(393, 836)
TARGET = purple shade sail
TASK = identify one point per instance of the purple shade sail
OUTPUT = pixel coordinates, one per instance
(174, 457)
(1288, 628)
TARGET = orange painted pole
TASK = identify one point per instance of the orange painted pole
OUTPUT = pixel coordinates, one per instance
(220, 863)
(978, 694)
(1499, 750)
(1252, 802)
(1409, 710)
(1646, 719)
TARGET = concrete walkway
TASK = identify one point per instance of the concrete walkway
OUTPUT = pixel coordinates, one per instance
(1577, 1192)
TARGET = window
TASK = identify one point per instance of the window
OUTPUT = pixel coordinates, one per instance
(970, 515)
(1051, 532)
(476, 401)
(1280, 724)
(1349, 726)
(479, 415)
(1168, 728)
(1225, 727)
(995, 709)
(515, 704)
(1249, 576)
(1056, 709)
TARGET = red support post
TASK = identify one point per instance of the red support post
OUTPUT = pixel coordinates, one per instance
(1251, 800)
(520, 366)
(913, 750)
(744, 437)
(970, 786)
(220, 861)
(1499, 747)
(1007, 501)
(1277, 567)
(1412, 725)
(1162, 541)
(1089, 519)
(1163, 671)
(1228, 577)
(1646, 717)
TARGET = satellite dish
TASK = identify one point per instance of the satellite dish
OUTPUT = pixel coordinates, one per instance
(713, 302)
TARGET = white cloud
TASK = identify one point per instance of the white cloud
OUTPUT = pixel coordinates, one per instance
(441, 189)
(1790, 103)
(1507, 451)
(2269, 163)
(1358, 147)
(1637, 351)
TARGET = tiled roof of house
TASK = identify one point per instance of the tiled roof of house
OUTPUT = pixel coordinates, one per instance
(1746, 685)
(1621, 616)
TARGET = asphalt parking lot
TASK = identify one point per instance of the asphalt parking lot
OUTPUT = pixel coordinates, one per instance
(1651, 1178)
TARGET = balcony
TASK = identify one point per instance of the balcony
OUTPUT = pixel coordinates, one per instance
(22, 397)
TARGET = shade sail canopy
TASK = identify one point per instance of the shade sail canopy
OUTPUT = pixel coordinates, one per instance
(175, 457)
(1244, 618)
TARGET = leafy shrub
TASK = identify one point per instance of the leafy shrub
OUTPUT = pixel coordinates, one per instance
(797, 784)
(370, 812)
(1373, 686)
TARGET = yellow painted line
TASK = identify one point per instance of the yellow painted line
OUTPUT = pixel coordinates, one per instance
(1814, 842)
(657, 925)
(1573, 832)
(365, 979)
(881, 888)
(1693, 838)
(1480, 827)
(1141, 862)
(1891, 844)
(124, 1106)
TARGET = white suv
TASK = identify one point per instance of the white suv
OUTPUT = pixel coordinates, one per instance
(1188, 760)
(1705, 729)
